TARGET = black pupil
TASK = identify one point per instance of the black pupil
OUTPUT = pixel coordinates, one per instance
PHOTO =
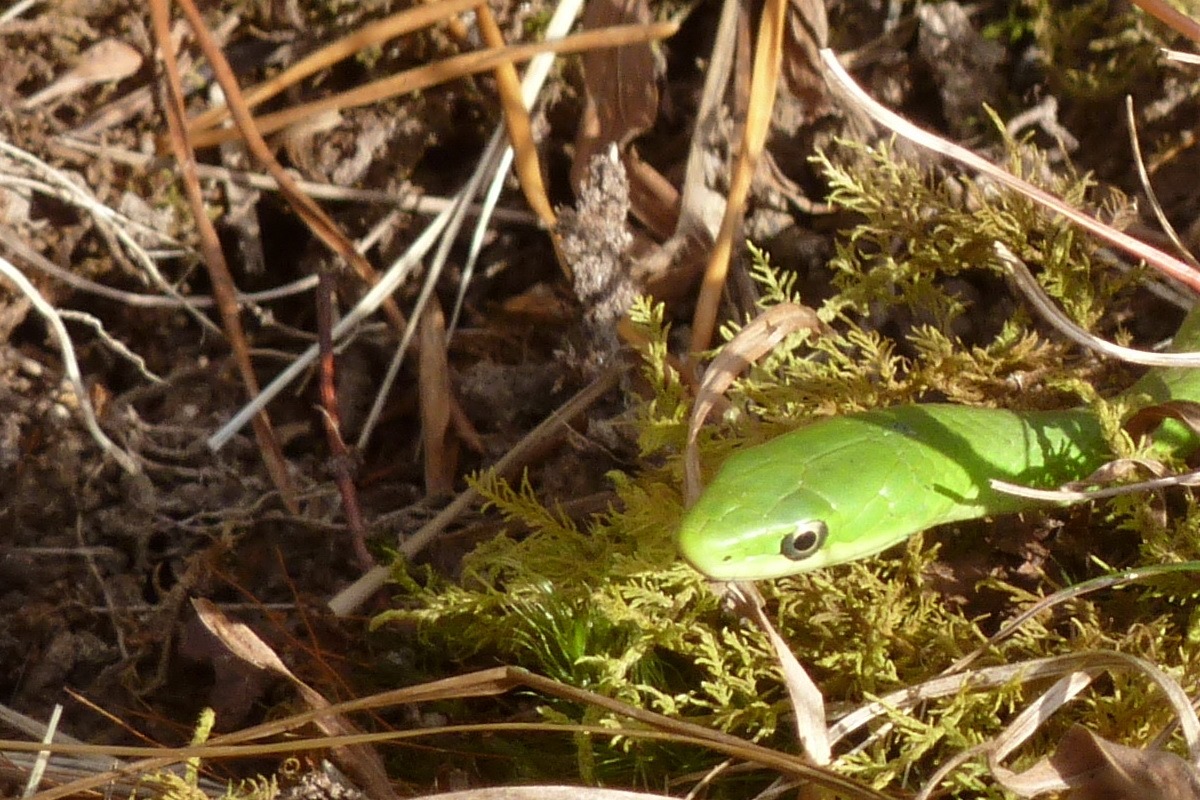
(799, 545)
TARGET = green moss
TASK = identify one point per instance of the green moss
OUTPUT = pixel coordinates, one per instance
(610, 608)
(1095, 50)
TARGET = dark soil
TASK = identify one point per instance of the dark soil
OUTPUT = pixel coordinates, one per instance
(97, 565)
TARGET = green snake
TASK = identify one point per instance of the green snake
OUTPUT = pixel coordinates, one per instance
(849, 487)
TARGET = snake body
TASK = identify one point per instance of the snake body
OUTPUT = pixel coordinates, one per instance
(848, 487)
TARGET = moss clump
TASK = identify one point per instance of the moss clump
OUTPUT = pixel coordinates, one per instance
(611, 609)
(1096, 51)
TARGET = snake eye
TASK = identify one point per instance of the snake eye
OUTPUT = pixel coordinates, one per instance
(804, 541)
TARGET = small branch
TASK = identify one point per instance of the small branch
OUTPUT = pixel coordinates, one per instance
(332, 420)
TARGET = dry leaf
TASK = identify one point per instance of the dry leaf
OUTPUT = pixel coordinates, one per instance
(1147, 420)
(1088, 767)
(620, 85)
(1097, 769)
(808, 704)
(807, 32)
(433, 375)
(621, 103)
(361, 763)
(109, 60)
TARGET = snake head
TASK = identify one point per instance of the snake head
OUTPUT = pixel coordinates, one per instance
(745, 531)
(751, 546)
(834, 491)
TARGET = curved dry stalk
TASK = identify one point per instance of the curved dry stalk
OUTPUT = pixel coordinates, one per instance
(1050, 312)
(1064, 496)
(1161, 261)
(70, 366)
(487, 683)
(760, 336)
(1160, 215)
(1031, 671)
(1061, 596)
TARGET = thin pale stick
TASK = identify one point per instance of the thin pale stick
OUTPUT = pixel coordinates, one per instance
(354, 595)
(70, 366)
(535, 76)
(1159, 214)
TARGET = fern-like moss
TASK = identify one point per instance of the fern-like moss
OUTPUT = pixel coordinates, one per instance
(610, 607)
